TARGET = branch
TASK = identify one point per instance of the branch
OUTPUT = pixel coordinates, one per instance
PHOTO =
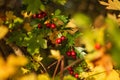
(75, 62)
(16, 50)
(62, 68)
(56, 69)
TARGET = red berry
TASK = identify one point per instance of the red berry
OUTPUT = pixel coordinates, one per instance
(58, 41)
(39, 16)
(48, 25)
(68, 53)
(34, 16)
(53, 25)
(39, 26)
(71, 72)
(74, 57)
(70, 69)
(97, 46)
(73, 53)
(62, 38)
(76, 75)
(43, 14)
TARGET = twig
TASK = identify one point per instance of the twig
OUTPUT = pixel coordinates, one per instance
(62, 68)
(16, 50)
(43, 67)
(40, 64)
(52, 64)
(56, 69)
(75, 62)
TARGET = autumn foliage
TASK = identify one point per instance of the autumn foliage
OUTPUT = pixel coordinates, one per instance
(59, 40)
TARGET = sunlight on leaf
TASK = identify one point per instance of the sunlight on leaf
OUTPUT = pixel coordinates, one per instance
(26, 14)
(37, 57)
(112, 4)
(25, 70)
(55, 54)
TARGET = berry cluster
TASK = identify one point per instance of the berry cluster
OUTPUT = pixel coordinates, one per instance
(71, 53)
(42, 15)
(51, 25)
(39, 15)
(71, 71)
(59, 40)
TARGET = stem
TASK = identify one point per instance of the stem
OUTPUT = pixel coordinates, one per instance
(16, 50)
(56, 68)
(52, 64)
(62, 68)
(75, 62)
(43, 66)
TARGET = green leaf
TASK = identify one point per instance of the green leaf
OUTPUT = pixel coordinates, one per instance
(19, 20)
(79, 69)
(80, 53)
(69, 77)
(42, 7)
(17, 37)
(62, 2)
(32, 6)
(42, 42)
(62, 18)
(57, 12)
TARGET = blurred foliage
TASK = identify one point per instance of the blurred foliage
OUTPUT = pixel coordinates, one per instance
(3, 31)
(92, 38)
(10, 66)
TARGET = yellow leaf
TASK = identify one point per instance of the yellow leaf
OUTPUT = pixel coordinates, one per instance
(113, 76)
(31, 76)
(73, 26)
(3, 31)
(112, 4)
(99, 73)
(25, 14)
(16, 60)
(10, 66)
(55, 54)
(43, 77)
(25, 70)
(27, 27)
(37, 57)
(6, 71)
(10, 15)
(103, 3)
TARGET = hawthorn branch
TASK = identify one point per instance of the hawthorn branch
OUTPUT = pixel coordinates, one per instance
(56, 69)
(52, 64)
(75, 62)
(62, 68)
(16, 50)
